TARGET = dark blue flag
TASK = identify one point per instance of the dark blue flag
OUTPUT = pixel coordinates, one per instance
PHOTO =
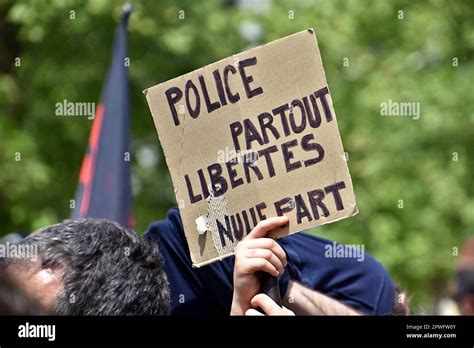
(104, 189)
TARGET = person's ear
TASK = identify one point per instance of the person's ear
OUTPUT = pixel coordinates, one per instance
(49, 285)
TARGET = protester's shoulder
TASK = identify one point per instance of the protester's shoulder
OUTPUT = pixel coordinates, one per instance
(362, 277)
(321, 246)
(167, 229)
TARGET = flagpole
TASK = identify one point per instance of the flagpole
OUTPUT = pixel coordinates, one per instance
(127, 8)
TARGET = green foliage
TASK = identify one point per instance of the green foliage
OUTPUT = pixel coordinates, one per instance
(394, 161)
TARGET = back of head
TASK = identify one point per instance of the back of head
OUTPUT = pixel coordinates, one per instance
(105, 269)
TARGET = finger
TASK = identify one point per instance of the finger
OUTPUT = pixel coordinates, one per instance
(267, 225)
(287, 311)
(267, 305)
(267, 255)
(255, 265)
(253, 312)
(270, 244)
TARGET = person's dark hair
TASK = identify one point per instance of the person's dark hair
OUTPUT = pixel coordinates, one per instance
(13, 301)
(400, 302)
(463, 283)
(107, 269)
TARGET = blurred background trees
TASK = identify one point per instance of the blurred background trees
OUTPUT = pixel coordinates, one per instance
(413, 178)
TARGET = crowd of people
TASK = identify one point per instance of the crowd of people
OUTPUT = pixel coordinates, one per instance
(97, 267)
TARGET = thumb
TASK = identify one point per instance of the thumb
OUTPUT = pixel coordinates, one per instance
(269, 306)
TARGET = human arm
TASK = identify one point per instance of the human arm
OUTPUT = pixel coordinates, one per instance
(304, 301)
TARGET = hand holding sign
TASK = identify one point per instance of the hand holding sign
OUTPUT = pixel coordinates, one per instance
(253, 255)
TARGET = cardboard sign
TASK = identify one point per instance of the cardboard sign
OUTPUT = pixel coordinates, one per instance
(250, 137)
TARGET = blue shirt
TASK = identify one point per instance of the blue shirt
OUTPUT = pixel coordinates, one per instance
(362, 285)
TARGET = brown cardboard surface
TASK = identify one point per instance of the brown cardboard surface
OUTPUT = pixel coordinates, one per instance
(271, 103)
